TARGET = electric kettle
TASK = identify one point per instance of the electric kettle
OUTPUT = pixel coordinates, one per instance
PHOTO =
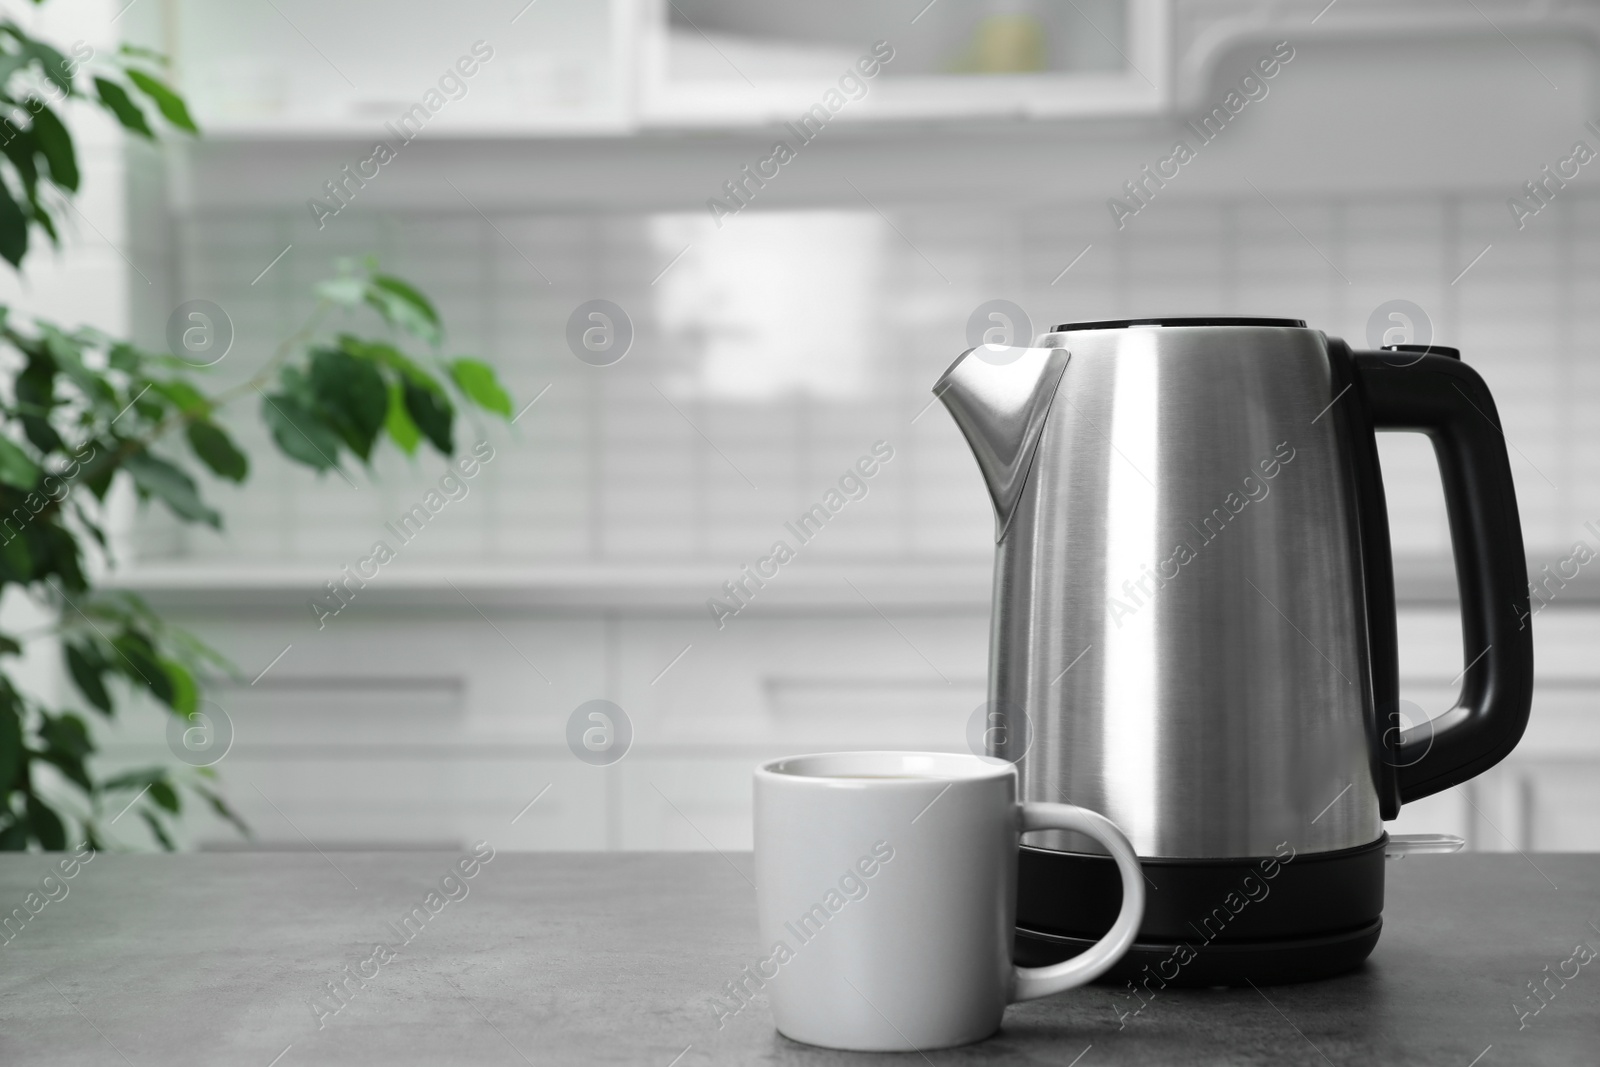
(1194, 627)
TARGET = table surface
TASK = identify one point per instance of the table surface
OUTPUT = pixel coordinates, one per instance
(617, 958)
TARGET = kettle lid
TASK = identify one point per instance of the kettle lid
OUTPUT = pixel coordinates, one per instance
(1181, 320)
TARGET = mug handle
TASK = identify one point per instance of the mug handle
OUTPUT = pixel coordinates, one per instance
(1031, 982)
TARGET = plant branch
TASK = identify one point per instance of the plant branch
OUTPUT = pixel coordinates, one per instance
(286, 348)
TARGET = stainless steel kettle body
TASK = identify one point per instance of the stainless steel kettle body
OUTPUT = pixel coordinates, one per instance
(1193, 626)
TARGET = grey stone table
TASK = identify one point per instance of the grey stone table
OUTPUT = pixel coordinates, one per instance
(617, 958)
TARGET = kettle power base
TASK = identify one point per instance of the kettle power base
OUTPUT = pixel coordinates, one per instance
(1148, 964)
(1294, 917)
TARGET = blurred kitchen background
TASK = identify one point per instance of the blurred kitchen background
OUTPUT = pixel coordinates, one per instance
(775, 345)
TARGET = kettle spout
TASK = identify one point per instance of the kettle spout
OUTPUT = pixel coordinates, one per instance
(1000, 399)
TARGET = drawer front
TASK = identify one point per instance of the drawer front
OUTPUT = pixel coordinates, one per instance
(439, 727)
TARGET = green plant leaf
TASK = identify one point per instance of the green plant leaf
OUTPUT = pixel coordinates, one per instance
(93, 527)
(101, 468)
(138, 661)
(185, 693)
(222, 808)
(128, 609)
(16, 562)
(46, 826)
(156, 477)
(385, 355)
(430, 410)
(11, 754)
(126, 358)
(86, 667)
(162, 793)
(68, 733)
(55, 551)
(157, 829)
(116, 100)
(171, 105)
(41, 434)
(150, 54)
(55, 144)
(217, 451)
(20, 148)
(13, 229)
(35, 393)
(478, 383)
(402, 305)
(196, 653)
(16, 469)
(149, 405)
(14, 838)
(46, 223)
(299, 432)
(186, 397)
(67, 352)
(10, 64)
(54, 64)
(69, 765)
(398, 423)
(351, 395)
(136, 779)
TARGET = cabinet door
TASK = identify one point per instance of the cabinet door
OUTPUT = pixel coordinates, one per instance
(432, 729)
(824, 681)
(768, 687)
(687, 803)
(351, 67)
(1545, 795)
(1554, 803)
(715, 62)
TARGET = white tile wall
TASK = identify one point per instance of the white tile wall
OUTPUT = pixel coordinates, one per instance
(647, 461)
(788, 348)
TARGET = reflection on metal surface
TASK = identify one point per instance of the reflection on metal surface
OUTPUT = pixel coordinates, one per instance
(1001, 407)
(1181, 513)
(1130, 681)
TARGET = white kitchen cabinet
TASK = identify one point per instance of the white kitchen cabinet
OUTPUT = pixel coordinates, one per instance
(299, 68)
(412, 720)
(377, 731)
(803, 682)
(296, 69)
(726, 62)
(689, 804)
(1560, 799)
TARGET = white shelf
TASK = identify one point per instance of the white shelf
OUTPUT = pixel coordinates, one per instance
(961, 585)
(957, 586)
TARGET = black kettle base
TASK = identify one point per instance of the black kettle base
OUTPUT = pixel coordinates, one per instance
(1152, 966)
(1292, 917)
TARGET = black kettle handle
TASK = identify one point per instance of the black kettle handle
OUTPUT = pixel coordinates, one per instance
(1444, 398)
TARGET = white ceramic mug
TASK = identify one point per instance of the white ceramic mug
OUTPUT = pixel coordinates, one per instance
(887, 887)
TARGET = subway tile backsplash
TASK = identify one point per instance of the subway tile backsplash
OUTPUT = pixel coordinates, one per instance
(770, 354)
